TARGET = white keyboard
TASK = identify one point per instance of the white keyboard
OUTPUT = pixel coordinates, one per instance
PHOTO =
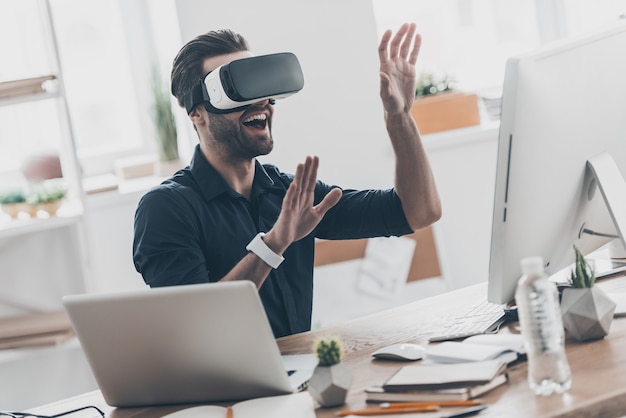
(481, 318)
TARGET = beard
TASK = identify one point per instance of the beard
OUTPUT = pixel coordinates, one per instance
(234, 143)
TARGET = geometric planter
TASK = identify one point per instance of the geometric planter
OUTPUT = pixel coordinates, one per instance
(587, 312)
(12, 209)
(50, 207)
(329, 384)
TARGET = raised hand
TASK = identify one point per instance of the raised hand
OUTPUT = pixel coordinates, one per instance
(397, 68)
(298, 217)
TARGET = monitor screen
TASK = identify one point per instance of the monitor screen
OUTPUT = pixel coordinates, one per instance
(561, 106)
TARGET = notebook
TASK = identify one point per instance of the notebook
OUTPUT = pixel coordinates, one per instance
(183, 344)
(379, 394)
(298, 405)
(505, 347)
(444, 376)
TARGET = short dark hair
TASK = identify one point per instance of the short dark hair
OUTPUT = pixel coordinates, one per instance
(187, 67)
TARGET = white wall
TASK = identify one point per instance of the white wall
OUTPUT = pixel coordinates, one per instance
(38, 267)
(464, 166)
(338, 115)
(109, 230)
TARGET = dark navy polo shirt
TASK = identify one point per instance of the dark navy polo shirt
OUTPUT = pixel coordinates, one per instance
(194, 228)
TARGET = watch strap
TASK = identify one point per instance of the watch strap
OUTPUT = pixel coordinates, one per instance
(265, 253)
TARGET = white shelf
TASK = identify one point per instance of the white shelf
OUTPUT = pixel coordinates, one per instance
(10, 101)
(28, 89)
(69, 214)
(58, 242)
(461, 137)
(13, 354)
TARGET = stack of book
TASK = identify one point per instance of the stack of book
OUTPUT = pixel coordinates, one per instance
(440, 382)
(40, 329)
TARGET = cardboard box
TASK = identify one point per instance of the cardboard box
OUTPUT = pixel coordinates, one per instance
(446, 111)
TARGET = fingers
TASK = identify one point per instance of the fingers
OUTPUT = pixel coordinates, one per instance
(298, 217)
(395, 42)
(305, 178)
(294, 188)
(407, 41)
(313, 164)
(303, 181)
(417, 43)
(383, 46)
(329, 201)
(400, 45)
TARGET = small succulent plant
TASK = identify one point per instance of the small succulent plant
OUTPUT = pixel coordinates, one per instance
(12, 196)
(329, 351)
(46, 195)
(582, 275)
(428, 84)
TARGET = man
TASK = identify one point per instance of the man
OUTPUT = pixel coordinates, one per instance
(198, 225)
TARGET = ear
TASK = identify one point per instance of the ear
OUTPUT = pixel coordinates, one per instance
(198, 115)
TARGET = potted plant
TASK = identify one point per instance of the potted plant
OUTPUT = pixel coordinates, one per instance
(439, 106)
(165, 126)
(48, 196)
(586, 309)
(428, 84)
(331, 379)
(13, 202)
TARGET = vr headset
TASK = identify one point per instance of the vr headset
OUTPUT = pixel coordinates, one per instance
(233, 86)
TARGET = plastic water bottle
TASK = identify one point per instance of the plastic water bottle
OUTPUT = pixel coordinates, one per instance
(542, 328)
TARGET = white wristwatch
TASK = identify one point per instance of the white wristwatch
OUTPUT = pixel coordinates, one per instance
(264, 252)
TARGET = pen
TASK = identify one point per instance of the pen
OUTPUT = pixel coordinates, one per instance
(388, 411)
(423, 403)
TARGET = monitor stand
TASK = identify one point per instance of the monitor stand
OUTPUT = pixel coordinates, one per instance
(607, 177)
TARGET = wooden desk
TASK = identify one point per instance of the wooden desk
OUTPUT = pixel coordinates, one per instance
(598, 368)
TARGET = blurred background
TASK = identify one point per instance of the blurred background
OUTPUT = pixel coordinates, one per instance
(78, 84)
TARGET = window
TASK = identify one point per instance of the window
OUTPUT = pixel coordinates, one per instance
(95, 58)
(25, 126)
(471, 39)
(107, 50)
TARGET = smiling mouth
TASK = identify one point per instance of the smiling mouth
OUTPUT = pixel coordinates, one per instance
(258, 121)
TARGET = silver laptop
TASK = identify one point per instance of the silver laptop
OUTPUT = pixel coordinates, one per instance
(183, 344)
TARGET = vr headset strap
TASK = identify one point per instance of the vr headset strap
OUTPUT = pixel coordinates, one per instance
(198, 94)
(195, 96)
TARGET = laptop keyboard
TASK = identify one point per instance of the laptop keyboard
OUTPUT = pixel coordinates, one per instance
(481, 318)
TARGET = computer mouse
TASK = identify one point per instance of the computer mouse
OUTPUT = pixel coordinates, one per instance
(403, 351)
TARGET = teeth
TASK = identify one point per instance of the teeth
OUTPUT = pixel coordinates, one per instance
(260, 116)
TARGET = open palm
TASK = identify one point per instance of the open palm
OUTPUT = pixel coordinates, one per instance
(397, 68)
(298, 217)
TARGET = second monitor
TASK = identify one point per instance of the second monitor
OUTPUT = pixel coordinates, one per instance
(562, 107)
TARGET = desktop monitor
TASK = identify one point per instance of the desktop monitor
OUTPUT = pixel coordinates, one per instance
(561, 155)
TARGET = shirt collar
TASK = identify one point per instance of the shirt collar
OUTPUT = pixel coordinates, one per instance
(212, 184)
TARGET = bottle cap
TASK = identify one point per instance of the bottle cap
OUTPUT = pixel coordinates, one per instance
(532, 265)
